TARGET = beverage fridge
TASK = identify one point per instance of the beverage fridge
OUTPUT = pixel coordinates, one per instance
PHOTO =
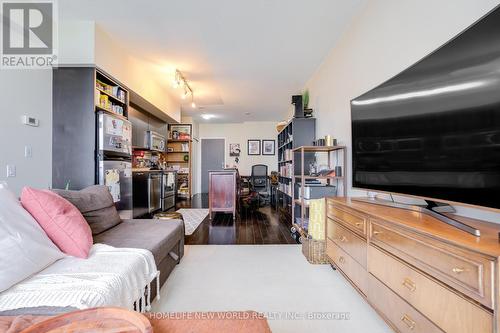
(114, 169)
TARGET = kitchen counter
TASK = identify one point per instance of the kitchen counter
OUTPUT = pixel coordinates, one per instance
(149, 170)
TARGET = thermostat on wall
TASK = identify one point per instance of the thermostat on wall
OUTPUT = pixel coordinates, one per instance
(30, 121)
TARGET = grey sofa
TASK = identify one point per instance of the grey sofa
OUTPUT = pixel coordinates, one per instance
(165, 239)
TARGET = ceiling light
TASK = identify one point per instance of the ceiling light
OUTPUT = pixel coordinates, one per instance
(207, 116)
(193, 104)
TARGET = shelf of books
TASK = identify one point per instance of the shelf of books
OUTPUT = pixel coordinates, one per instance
(179, 157)
(298, 132)
(110, 96)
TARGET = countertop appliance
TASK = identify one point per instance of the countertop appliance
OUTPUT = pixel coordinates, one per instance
(114, 169)
(168, 189)
(154, 141)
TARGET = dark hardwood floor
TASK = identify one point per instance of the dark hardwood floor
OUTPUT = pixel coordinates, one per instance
(260, 226)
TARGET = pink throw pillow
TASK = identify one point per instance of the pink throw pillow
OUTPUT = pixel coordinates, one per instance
(61, 221)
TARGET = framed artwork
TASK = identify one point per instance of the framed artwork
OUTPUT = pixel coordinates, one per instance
(253, 147)
(268, 147)
(234, 149)
(180, 132)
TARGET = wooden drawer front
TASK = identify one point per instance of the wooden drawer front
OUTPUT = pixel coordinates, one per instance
(354, 271)
(351, 219)
(451, 312)
(401, 315)
(467, 272)
(354, 245)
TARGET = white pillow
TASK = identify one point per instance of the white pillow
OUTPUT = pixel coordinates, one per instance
(25, 248)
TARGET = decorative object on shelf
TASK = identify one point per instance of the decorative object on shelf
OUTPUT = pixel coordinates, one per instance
(268, 147)
(319, 143)
(299, 110)
(253, 147)
(234, 149)
(330, 141)
(281, 125)
(170, 150)
(305, 100)
(186, 158)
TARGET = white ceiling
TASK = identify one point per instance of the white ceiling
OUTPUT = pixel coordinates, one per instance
(239, 56)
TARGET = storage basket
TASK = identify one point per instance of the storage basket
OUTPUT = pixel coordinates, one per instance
(314, 250)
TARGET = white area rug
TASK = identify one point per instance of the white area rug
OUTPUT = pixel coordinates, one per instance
(274, 279)
(192, 218)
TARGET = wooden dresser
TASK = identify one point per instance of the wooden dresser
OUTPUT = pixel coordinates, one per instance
(420, 274)
(223, 188)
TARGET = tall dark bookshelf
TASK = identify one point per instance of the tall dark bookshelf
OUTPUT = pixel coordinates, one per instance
(298, 132)
(77, 100)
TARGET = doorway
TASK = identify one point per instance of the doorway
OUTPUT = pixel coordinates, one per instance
(212, 158)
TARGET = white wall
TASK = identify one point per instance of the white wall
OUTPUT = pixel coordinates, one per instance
(386, 37)
(83, 43)
(239, 133)
(26, 92)
(140, 76)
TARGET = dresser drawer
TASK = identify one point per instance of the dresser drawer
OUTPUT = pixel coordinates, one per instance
(449, 311)
(401, 315)
(354, 245)
(354, 271)
(351, 219)
(465, 271)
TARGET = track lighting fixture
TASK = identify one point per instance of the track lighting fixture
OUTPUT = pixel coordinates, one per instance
(180, 81)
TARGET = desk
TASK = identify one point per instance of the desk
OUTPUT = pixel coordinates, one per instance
(223, 188)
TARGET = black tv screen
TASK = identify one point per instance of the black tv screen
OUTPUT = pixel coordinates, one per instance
(434, 130)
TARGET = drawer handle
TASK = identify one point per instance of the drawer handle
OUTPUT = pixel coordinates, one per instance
(343, 239)
(341, 260)
(408, 321)
(458, 270)
(375, 232)
(358, 224)
(409, 284)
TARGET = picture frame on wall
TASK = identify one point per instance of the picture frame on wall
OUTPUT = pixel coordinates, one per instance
(268, 147)
(253, 147)
(234, 149)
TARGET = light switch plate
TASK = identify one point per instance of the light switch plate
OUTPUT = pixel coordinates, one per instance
(28, 152)
(11, 170)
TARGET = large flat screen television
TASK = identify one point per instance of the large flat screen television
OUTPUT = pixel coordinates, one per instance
(433, 131)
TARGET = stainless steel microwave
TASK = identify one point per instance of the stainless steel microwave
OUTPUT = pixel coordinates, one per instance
(155, 141)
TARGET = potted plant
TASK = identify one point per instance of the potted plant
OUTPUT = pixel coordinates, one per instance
(305, 100)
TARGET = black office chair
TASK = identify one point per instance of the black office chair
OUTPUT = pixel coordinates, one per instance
(260, 182)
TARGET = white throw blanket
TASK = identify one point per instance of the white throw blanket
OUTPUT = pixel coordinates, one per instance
(109, 277)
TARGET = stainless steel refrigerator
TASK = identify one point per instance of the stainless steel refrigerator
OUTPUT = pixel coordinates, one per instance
(114, 138)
